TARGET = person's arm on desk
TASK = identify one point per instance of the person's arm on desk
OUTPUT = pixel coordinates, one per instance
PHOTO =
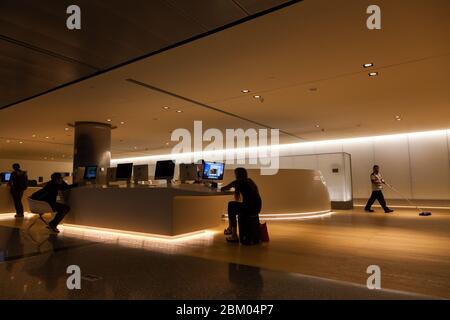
(228, 186)
(64, 186)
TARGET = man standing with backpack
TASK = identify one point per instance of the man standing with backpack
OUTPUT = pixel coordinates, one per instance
(18, 183)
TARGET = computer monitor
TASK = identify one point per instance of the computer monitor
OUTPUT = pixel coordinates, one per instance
(189, 171)
(140, 172)
(111, 174)
(164, 170)
(90, 173)
(213, 171)
(6, 176)
(123, 171)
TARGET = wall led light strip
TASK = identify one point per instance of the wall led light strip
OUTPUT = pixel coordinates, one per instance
(279, 147)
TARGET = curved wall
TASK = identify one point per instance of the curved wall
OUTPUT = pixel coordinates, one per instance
(290, 191)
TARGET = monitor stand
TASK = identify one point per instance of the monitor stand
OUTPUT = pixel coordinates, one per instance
(211, 184)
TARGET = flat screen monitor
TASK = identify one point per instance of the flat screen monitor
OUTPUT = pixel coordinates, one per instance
(6, 176)
(164, 170)
(123, 171)
(213, 171)
(140, 172)
(90, 173)
(111, 174)
(189, 171)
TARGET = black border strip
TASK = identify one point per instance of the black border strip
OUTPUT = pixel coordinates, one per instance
(178, 44)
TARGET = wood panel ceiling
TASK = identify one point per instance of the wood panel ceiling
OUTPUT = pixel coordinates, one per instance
(38, 52)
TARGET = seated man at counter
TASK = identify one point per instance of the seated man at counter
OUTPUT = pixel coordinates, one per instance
(49, 193)
(250, 205)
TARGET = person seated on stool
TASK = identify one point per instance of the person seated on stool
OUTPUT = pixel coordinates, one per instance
(250, 205)
(49, 193)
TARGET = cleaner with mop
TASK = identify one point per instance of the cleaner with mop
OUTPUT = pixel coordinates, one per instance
(377, 193)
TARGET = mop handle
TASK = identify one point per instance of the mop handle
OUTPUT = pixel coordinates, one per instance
(409, 201)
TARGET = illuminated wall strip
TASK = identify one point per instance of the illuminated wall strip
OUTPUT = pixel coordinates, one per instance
(279, 147)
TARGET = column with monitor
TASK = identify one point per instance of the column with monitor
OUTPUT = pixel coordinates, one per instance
(92, 151)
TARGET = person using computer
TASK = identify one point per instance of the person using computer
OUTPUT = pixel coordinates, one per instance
(251, 204)
(49, 193)
(18, 183)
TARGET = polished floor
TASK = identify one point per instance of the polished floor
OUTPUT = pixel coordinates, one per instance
(322, 258)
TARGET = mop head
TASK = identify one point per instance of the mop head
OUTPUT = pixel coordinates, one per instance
(425, 213)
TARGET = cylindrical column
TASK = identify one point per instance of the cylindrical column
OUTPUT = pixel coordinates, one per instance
(92, 147)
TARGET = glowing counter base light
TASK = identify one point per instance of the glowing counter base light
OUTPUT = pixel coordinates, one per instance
(78, 229)
(293, 216)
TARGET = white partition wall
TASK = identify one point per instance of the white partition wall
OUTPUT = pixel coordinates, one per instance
(335, 168)
(429, 156)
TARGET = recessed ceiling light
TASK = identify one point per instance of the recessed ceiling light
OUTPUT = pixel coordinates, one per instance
(34, 136)
(8, 141)
(179, 111)
(21, 142)
(47, 137)
(135, 148)
(317, 126)
(245, 91)
(122, 122)
(166, 108)
(257, 96)
(398, 118)
(108, 120)
(66, 129)
(368, 65)
(373, 74)
(167, 143)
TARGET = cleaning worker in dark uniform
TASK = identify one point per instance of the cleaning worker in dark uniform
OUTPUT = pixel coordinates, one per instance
(377, 182)
(49, 194)
(251, 201)
(18, 183)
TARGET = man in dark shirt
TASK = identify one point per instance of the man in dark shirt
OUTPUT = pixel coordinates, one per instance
(17, 185)
(250, 205)
(49, 193)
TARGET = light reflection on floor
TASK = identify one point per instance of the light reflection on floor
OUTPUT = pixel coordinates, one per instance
(142, 241)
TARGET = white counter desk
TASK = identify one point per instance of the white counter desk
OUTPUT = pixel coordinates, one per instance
(167, 211)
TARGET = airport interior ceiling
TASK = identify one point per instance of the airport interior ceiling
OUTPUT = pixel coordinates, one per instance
(304, 62)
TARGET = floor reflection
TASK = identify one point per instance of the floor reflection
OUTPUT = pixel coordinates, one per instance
(247, 280)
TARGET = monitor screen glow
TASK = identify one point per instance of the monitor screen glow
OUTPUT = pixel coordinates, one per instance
(213, 171)
(90, 173)
(6, 176)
